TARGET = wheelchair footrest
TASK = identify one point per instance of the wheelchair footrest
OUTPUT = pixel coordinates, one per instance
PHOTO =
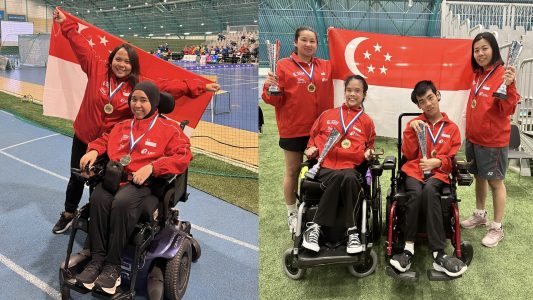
(328, 256)
(121, 293)
(408, 275)
(434, 275)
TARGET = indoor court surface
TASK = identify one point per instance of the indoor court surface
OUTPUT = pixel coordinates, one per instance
(33, 176)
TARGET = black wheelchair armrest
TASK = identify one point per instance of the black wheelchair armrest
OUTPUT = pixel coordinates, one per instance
(461, 173)
(389, 163)
(308, 163)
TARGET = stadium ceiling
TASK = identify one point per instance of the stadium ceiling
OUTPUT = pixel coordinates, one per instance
(162, 17)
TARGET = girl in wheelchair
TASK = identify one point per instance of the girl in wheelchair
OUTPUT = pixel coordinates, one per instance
(425, 178)
(145, 146)
(339, 179)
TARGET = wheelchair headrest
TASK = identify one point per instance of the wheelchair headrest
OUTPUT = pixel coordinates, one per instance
(166, 103)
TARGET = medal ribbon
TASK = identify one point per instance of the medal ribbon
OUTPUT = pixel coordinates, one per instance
(435, 138)
(112, 93)
(344, 127)
(310, 75)
(478, 86)
(134, 143)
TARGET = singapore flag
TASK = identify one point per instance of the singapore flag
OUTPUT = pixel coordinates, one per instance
(392, 65)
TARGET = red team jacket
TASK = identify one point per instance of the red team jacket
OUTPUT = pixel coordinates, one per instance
(448, 143)
(361, 135)
(297, 108)
(165, 146)
(91, 121)
(488, 123)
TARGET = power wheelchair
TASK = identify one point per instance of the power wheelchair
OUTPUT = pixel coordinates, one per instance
(333, 240)
(157, 260)
(395, 213)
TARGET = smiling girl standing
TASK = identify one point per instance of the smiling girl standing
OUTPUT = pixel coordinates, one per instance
(306, 91)
(488, 129)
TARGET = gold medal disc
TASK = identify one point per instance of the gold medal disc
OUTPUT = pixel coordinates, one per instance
(125, 160)
(474, 103)
(434, 153)
(108, 108)
(346, 143)
(311, 87)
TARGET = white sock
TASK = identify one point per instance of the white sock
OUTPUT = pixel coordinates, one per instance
(480, 212)
(410, 246)
(496, 225)
(291, 209)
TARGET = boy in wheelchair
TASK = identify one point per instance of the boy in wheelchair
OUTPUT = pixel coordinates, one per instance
(340, 181)
(425, 178)
(145, 146)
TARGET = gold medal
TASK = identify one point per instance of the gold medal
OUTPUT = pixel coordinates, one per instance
(125, 160)
(346, 143)
(311, 87)
(474, 103)
(108, 108)
(434, 153)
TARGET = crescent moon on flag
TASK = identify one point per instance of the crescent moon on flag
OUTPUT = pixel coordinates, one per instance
(349, 55)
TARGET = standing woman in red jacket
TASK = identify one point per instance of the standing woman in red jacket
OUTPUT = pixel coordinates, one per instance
(105, 102)
(306, 91)
(488, 129)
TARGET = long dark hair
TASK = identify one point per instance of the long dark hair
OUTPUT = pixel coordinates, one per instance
(496, 56)
(297, 35)
(133, 77)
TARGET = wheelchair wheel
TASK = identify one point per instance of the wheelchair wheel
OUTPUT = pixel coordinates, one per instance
(366, 267)
(196, 249)
(467, 251)
(292, 272)
(177, 271)
(65, 293)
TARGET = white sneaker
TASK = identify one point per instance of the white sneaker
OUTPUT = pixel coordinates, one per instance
(292, 221)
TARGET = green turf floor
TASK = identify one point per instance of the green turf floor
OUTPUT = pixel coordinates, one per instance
(504, 272)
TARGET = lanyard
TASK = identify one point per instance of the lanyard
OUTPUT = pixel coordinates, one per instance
(435, 138)
(134, 143)
(346, 127)
(478, 86)
(309, 74)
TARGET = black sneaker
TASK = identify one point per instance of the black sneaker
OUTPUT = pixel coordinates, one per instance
(311, 235)
(63, 223)
(450, 265)
(109, 279)
(90, 273)
(402, 261)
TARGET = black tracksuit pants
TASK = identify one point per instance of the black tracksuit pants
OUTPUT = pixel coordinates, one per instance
(425, 197)
(341, 199)
(113, 219)
(75, 186)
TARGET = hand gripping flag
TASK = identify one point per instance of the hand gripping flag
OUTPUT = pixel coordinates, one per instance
(65, 81)
(392, 65)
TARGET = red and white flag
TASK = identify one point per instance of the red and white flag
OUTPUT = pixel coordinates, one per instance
(65, 81)
(392, 65)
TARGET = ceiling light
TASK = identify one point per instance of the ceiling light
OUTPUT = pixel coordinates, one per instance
(202, 24)
(150, 34)
(161, 26)
(135, 35)
(186, 33)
